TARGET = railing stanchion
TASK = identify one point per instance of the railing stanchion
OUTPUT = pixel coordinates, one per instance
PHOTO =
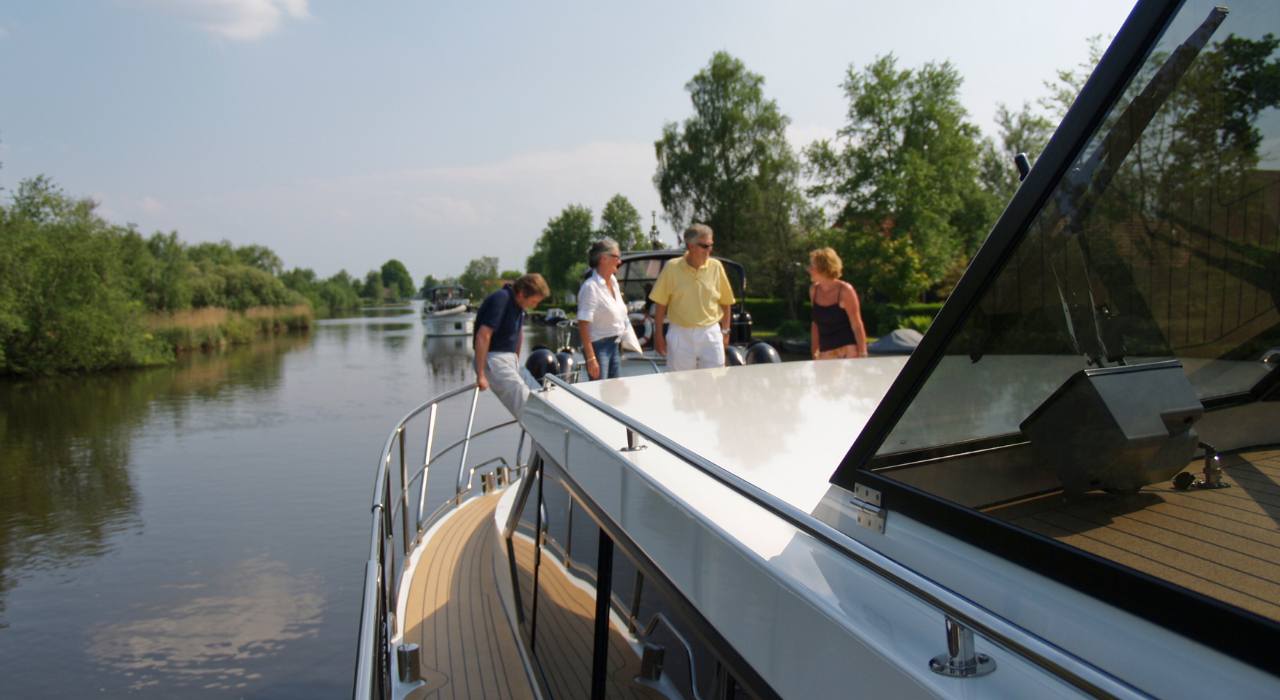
(471, 420)
(404, 495)
(426, 464)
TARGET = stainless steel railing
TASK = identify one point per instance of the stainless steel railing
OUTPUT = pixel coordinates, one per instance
(382, 573)
(1001, 632)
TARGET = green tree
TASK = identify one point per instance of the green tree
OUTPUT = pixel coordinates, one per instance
(220, 253)
(260, 257)
(781, 222)
(481, 277)
(396, 279)
(170, 285)
(574, 276)
(1020, 132)
(1063, 91)
(563, 243)
(706, 168)
(65, 301)
(429, 282)
(620, 221)
(880, 263)
(906, 164)
(373, 290)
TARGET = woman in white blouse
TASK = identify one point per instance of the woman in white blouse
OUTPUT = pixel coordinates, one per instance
(602, 314)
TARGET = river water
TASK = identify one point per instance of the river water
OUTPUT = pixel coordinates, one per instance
(201, 530)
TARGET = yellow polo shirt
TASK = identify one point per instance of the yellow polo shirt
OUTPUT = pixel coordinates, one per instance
(693, 297)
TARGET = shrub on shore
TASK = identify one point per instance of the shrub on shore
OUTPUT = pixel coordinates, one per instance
(205, 328)
(79, 294)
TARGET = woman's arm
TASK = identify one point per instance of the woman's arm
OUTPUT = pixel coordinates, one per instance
(588, 352)
(813, 327)
(854, 309)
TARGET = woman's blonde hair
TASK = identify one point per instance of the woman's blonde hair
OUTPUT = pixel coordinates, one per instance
(827, 263)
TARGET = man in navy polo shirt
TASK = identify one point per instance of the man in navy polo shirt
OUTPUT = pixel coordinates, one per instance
(499, 334)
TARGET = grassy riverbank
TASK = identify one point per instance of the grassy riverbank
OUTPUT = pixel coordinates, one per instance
(206, 328)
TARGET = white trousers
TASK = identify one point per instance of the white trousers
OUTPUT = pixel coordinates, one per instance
(509, 381)
(694, 348)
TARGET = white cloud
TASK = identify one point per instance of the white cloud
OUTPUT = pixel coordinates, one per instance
(242, 20)
(150, 205)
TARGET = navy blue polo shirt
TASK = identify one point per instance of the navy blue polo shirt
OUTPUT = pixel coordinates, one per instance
(501, 313)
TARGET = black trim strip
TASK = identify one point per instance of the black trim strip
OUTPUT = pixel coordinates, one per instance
(604, 588)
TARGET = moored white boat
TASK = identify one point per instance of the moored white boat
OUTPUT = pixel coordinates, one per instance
(1070, 489)
(447, 310)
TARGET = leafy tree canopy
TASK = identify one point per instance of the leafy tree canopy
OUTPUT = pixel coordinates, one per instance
(563, 243)
(620, 221)
(906, 164)
(373, 290)
(706, 168)
(396, 279)
(1020, 132)
(481, 277)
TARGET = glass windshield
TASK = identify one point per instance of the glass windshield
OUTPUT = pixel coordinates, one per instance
(1161, 242)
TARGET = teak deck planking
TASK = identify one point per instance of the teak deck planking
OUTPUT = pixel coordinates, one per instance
(466, 645)
(1223, 543)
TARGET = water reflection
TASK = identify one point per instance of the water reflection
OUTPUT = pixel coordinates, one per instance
(450, 357)
(66, 489)
(395, 336)
(246, 614)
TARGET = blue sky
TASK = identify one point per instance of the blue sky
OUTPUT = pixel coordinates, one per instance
(344, 134)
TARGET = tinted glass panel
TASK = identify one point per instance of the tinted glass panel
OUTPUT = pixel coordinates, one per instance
(1161, 242)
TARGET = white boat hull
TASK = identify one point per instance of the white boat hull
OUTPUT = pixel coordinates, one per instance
(449, 323)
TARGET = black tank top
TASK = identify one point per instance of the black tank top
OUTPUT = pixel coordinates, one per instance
(834, 330)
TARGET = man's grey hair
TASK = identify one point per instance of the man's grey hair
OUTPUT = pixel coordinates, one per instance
(601, 248)
(694, 232)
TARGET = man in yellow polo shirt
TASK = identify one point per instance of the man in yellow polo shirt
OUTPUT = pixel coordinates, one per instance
(693, 292)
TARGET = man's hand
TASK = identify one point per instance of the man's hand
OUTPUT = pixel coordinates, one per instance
(726, 338)
(482, 382)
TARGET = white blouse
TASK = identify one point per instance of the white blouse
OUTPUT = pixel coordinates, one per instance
(607, 313)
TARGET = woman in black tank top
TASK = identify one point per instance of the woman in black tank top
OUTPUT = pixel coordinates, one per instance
(837, 330)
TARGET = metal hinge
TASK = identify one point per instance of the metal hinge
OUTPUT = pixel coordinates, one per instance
(867, 501)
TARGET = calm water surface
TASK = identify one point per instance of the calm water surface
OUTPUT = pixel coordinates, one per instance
(201, 530)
